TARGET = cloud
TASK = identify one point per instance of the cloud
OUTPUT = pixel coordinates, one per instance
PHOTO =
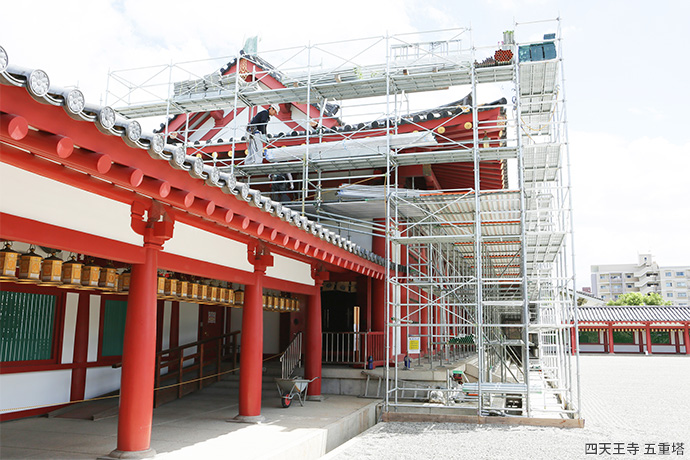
(629, 196)
(645, 111)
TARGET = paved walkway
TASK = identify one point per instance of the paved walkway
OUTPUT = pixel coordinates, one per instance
(196, 427)
(632, 405)
(628, 401)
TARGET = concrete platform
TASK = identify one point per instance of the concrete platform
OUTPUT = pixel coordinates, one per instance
(197, 426)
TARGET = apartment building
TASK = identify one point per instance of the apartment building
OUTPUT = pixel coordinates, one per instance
(671, 282)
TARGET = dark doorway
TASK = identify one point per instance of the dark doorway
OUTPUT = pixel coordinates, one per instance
(338, 311)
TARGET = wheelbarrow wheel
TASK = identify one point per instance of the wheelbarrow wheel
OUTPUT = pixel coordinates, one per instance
(285, 400)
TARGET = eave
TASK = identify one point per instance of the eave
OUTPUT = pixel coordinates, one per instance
(43, 138)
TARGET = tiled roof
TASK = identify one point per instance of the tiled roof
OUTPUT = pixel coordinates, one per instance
(634, 314)
(38, 85)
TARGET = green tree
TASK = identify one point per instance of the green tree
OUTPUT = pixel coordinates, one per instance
(637, 298)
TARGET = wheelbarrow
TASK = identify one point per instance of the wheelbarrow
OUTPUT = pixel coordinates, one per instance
(289, 388)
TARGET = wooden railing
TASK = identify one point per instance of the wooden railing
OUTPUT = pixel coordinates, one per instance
(207, 359)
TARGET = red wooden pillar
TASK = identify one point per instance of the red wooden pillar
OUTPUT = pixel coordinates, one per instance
(251, 357)
(139, 349)
(424, 307)
(252, 348)
(649, 337)
(573, 340)
(139, 359)
(424, 319)
(378, 287)
(686, 338)
(404, 300)
(639, 333)
(676, 333)
(369, 303)
(313, 337)
(378, 314)
(81, 348)
(610, 333)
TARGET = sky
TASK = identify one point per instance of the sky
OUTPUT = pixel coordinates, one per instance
(625, 67)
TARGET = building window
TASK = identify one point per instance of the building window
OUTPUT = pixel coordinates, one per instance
(669, 294)
(628, 275)
(623, 337)
(660, 337)
(681, 284)
(682, 294)
(114, 314)
(27, 324)
(589, 336)
(669, 284)
(680, 273)
(602, 277)
(669, 274)
(629, 286)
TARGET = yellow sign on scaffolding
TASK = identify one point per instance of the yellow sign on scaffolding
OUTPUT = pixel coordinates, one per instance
(413, 345)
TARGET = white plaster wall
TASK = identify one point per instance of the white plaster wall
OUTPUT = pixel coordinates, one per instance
(664, 348)
(288, 269)
(271, 332)
(236, 322)
(591, 348)
(71, 304)
(240, 122)
(55, 203)
(167, 312)
(626, 348)
(101, 380)
(200, 131)
(34, 388)
(271, 328)
(200, 245)
(94, 327)
(238, 127)
(189, 326)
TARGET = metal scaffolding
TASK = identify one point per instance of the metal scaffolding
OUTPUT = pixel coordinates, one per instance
(482, 273)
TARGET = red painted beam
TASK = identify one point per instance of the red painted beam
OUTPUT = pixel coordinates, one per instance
(15, 228)
(221, 123)
(288, 286)
(177, 263)
(53, 119)
(28, 162)
(268, 80)
(13, 127)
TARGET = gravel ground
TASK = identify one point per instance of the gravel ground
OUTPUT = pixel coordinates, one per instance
(627, 400)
